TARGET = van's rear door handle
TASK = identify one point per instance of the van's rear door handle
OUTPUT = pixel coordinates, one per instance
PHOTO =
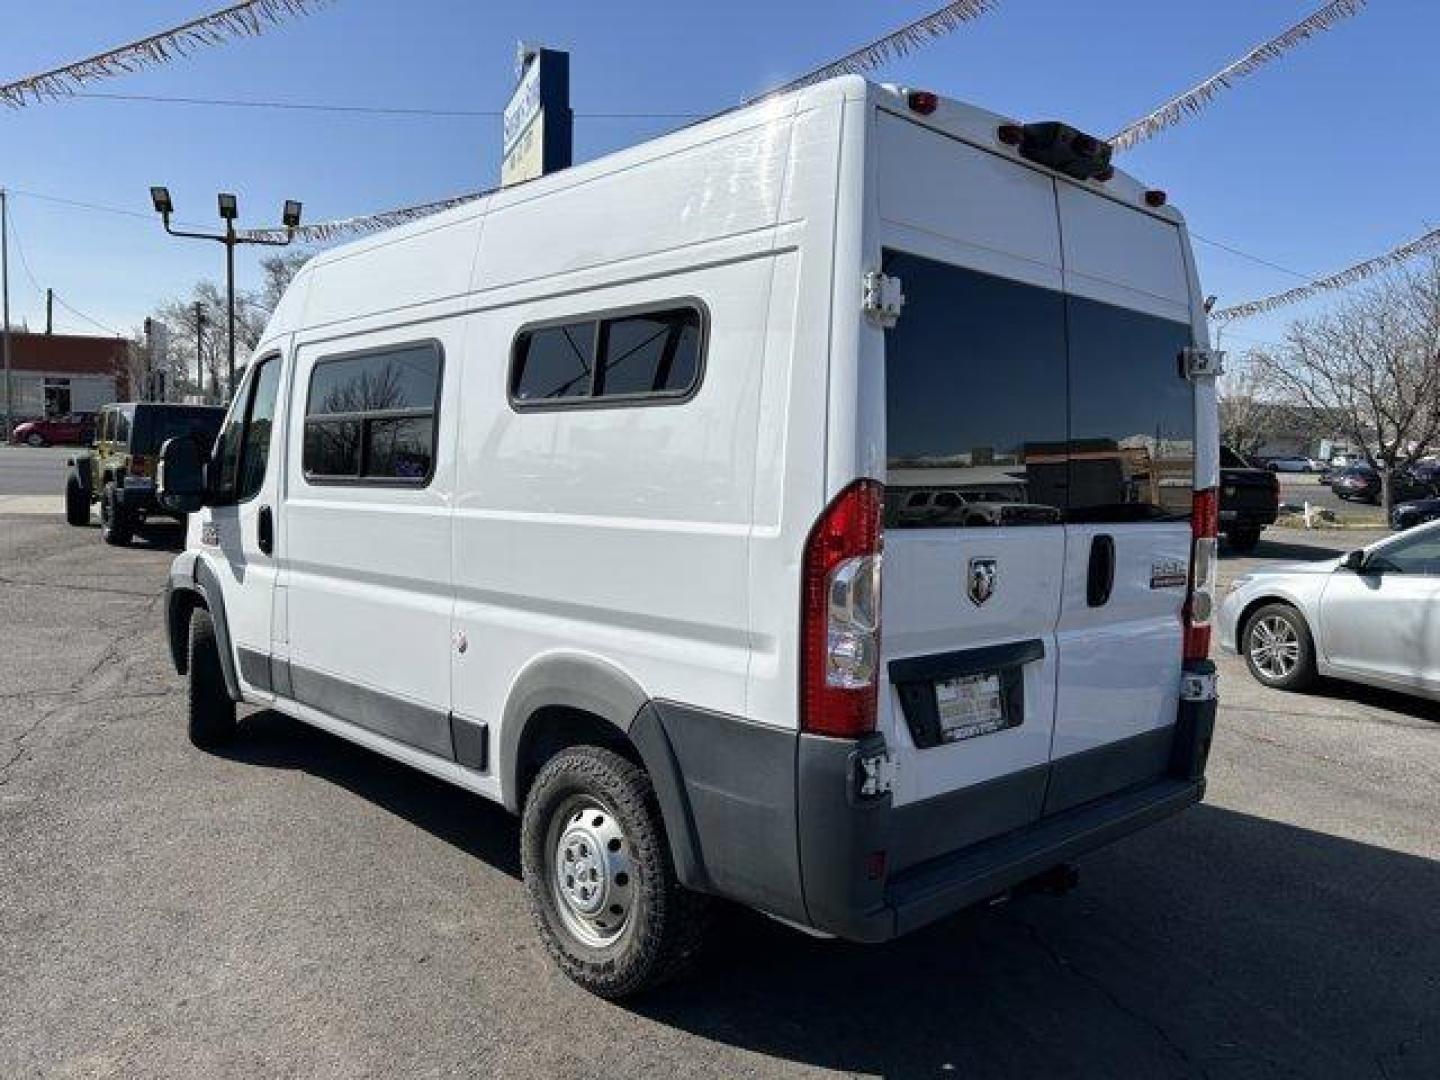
(265, 530)
(1101, 578)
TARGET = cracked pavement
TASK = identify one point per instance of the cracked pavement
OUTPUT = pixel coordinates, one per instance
(300, 907)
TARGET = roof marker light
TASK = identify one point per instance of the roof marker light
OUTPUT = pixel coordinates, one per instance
(922, 101)
(1155, 198)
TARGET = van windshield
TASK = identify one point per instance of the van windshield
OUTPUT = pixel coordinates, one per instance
(1012, 404)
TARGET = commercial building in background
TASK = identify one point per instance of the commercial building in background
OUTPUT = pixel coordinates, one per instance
(54, 374)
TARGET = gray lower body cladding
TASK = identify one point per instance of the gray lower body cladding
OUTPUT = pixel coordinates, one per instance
(773, 819)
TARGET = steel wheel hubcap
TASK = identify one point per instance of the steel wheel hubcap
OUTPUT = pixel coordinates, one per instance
(1275, 646)
(591, 873)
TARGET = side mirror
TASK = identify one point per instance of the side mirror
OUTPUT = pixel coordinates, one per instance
(1354, 560)
(180, 475)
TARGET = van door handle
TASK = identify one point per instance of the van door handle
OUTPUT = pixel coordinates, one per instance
(1101, 578)
(265, 530)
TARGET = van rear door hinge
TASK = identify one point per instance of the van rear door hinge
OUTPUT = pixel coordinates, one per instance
(1203, 363)
(883, 299)
(878, 772)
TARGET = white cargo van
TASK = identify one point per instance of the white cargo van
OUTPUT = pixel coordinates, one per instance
(813, 508)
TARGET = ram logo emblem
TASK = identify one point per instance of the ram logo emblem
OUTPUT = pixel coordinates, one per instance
(981, 580)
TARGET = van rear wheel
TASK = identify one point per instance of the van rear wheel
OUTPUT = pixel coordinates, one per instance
(211, 709)
(596, 863)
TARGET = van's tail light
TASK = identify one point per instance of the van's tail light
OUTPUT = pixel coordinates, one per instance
(840, 614)
(1200, 603)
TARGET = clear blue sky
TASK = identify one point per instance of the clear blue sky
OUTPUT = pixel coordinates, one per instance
(1324, 157)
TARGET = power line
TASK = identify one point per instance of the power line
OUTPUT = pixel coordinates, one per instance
(100, 207)
(80, 314)
(1253, 258)
(29, 273)
(1426, 243)
(364, 110)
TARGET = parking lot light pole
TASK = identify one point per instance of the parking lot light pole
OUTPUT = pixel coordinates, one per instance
(229, 211)
(5, 316)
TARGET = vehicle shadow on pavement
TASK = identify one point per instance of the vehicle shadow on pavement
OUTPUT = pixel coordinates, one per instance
(1375, 697)
(1289, 552)
(1217, 944)
(474, 825)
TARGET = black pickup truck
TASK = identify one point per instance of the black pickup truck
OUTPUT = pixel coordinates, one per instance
(1249, 500)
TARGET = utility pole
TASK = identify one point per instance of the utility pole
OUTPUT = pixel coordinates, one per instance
(147, 380)
(5, 314)
(200, 349)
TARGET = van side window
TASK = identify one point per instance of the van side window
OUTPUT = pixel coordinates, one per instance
(554, 362)
(642, 356)
(259, 422)
(370, 417)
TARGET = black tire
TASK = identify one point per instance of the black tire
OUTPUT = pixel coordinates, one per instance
(35, 439)
(657, 926)
(1277, 625)
(116, 528)
(1243, 540)
(77, 502)
(211, 710)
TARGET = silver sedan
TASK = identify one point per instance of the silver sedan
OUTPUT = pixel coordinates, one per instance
(1372, 616)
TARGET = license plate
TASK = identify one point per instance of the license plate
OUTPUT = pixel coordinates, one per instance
(970, 706)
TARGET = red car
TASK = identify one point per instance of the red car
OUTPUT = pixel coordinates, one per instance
(72, 428)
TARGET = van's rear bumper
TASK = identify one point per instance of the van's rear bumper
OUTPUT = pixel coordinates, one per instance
(847, 842)
(781, 821)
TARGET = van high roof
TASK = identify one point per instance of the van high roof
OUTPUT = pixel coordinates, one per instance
(970, 123)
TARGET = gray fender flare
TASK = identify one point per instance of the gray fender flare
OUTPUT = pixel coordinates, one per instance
(192, 579)
(601, 689)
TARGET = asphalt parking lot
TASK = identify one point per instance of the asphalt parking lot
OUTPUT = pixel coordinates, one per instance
(300, 907)
(26, 471)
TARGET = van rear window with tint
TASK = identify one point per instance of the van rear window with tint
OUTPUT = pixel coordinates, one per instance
(642, 356)
(975, 400)
(1011, 404)
(371, 417)
(1132, 415)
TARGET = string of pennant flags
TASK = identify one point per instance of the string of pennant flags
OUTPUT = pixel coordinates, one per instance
(253, 17)
(248, 19)
(1197, 97)
(1429, 243)
(911, 36)
(915, 35)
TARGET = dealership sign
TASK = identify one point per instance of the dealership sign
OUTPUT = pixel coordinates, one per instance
(537, 137)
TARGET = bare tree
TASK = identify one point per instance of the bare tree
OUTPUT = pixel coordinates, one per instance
(252, 310)
(1244, 413)
(1373, 365)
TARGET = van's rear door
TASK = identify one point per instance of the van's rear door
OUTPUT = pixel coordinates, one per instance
(976, 423)
(1131, 468)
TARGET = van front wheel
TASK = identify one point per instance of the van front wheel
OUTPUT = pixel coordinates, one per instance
(597, 867)
(211, 709)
